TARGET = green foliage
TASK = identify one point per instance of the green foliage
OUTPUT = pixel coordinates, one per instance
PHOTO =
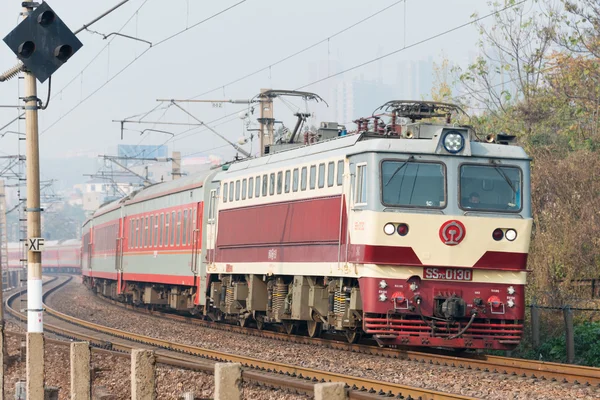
(553, 348)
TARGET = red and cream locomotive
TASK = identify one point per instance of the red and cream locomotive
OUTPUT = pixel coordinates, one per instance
(415, 234)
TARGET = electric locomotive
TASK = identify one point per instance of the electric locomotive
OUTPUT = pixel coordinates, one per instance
(413, 232)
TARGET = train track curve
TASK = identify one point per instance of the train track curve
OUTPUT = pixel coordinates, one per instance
(272, 374)
(565, 373)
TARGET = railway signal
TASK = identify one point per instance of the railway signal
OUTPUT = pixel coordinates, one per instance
(42, 41)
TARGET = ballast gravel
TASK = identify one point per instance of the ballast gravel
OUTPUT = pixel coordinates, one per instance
(76, 300)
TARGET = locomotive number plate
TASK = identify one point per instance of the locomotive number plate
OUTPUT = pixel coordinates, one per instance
(448, 274)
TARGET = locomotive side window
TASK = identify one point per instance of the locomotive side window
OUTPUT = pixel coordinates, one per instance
(490, 187)
(231, 191)
(257, 190)
(303, 182)
(225, 191)
(361, 184)
(139, 232)
(272, 184)
(264, 185)
(250, 187)
(330, 174)
(321, 175)
(295, 180)
(279, 182)
(287, 181)
(244, 188)
(340, 173)
(413, 184)
(237, 190)
(313, 176)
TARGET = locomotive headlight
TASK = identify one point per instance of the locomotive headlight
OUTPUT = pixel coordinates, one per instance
(382, 284)
(389, 229)
(382, 297)
(453, 142)
(510, 235)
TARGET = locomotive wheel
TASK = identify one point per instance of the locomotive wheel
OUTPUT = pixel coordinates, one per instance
(289, 327)
(314, 328)
(260, 324)
(352, 336)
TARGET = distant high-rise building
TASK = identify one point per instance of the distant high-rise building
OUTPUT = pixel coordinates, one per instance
(359, 98)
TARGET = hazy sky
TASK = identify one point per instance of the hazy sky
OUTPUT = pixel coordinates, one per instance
(248, 37)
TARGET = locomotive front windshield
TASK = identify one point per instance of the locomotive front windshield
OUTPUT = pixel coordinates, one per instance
(406, 183)
(490, 187)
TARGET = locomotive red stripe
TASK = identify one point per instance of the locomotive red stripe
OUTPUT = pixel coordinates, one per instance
(502, 260)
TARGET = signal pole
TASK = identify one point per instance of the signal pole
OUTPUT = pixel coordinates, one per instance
(35, 324)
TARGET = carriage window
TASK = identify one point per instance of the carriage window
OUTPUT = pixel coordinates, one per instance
(155, 235)
(244, 188)
(279, 182)
(313, 176)
(178, 228)
(340, 173)
(490, 187)
(257, 190)
(131, 230)
(185, 227)
(146, 232)
(211, 205)
(173, 225)
(295, 180)
(166, 231)
(272, 184)
(250, 187)
(161, 230)
(361, 184)
(225, 191)
(303, 181)
(265, 185)
(153, 228)
(192, 225)
(416, 184)
(237, 190)
(288, 175)
(330, 174)
(231, 191)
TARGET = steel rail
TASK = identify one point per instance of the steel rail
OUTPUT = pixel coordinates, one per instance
(266, 372)
(566, 373)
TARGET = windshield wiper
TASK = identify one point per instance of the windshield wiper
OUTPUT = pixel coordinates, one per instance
(506, 178)
(411, 158)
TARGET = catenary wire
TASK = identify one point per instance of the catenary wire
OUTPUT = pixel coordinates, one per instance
(134, 60)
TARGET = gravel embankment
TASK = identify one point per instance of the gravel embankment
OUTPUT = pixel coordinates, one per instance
(74, 299)
(111, 375)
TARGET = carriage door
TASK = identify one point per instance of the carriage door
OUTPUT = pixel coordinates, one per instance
(211, 227)
(119, 254)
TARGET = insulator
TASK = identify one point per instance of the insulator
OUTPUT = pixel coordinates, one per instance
(11, 73)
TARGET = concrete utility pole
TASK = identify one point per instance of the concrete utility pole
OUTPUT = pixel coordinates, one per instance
(35, 324)
(266, 121)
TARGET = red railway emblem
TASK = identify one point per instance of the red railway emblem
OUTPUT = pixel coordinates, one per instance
(452, 232)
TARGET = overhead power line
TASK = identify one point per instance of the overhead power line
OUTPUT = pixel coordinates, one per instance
(430, 38)
(137, 58)
(300, 51)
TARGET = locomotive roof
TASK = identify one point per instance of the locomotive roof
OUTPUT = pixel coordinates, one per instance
(365, 142)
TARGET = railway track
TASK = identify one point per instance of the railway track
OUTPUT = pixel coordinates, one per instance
(565, 373)
(272, 374)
